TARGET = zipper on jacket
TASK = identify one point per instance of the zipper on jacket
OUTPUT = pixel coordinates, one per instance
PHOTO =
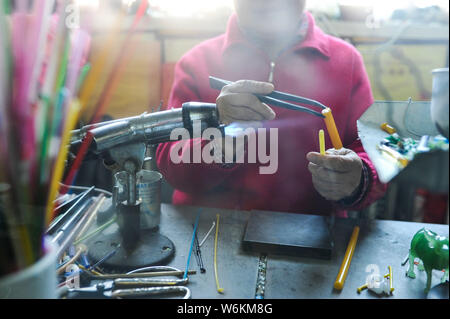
(272, 69)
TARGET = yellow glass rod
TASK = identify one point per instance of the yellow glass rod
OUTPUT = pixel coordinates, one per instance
(332, 129)
(342, 275)
(322, 142)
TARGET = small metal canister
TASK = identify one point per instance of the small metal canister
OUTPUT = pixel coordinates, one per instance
(149, 192)
(439, 101)
(148, 188)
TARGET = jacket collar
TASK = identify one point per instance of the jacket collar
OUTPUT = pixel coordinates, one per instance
(314, 39)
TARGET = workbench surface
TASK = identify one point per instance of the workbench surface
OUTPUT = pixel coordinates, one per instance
(381, 243)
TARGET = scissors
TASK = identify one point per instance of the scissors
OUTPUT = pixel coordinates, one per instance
(276, 98)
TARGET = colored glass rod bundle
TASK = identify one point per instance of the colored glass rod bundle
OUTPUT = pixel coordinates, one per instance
(41, 70)
(44, 68)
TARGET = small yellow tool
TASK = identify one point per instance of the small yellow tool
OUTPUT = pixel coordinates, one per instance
(322, 142)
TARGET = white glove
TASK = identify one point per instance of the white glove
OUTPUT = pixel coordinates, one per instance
(337, 174)
(237, 102)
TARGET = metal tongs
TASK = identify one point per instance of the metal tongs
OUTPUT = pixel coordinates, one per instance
(277, 98)
(133, 287)
(111, 289)
(118, 288)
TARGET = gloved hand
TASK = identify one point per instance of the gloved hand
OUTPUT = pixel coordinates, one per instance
(237, 102)
(336, 175)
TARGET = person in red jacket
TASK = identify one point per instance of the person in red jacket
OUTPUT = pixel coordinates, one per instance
(276, 45)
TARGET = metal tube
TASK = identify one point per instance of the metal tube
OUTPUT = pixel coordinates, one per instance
(94, 207)
(131, 200)
(66, 228)
(131, 169)
(130, 124)
(70, 212)
(71, 236)
(150, 291)
(144, 275)
(147, 282)
(148, 128)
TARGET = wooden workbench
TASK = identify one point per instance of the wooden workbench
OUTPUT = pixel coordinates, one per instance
(381, 244)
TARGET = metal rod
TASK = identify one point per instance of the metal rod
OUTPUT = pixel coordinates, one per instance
(131, 200)
(150, 291)
(54, 226)
(146, 282)
(288, 106)
(198, 254)
(208, 233)
(88, 224)
(93, 208)
(178, 273)
(192, 244)
(70, 201)
(105, 258)
(59, 237)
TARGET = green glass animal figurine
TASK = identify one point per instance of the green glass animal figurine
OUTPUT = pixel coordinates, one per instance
(432, 250)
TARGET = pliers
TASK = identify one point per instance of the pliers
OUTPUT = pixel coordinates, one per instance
(276, 98)
(130, 287)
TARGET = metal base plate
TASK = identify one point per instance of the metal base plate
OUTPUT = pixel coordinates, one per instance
(288, 234)
(152, 249)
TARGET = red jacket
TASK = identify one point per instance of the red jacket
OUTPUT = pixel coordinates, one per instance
(320, 67)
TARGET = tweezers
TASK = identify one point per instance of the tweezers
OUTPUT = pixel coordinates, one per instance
(276, 98)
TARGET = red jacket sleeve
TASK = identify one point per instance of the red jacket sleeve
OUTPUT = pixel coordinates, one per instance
(361, 99)
(188, 177)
